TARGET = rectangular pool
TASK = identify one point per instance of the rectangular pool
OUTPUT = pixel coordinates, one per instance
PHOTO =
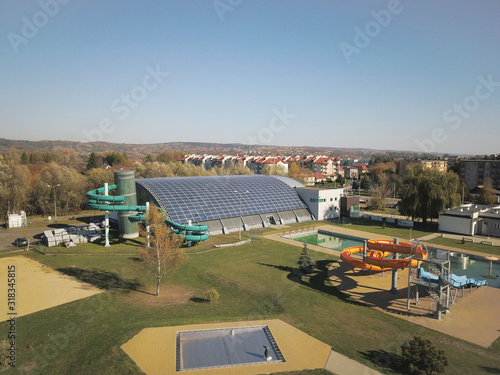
(227, 347)
(330, 241)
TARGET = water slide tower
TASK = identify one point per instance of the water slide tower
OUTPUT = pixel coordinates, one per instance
(125, 182)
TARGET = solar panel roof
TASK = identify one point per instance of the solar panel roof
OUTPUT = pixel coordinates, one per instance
(216, 197)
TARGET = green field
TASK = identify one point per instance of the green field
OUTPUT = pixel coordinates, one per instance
(255, 281)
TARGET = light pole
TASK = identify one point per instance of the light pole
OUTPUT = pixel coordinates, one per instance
(55, 201)
(239, 195)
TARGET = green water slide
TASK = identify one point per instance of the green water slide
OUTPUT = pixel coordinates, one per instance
(190, 232)
(97, 201)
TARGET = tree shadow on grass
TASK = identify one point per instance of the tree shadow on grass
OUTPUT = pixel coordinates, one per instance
(317, 280)
(102, 279)
(384, 359)
(198, 300)
(491, 370)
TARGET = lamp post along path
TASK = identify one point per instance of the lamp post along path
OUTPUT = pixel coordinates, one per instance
(241, 219)
(55, 201)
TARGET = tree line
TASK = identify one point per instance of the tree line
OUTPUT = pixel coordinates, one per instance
(24, 185)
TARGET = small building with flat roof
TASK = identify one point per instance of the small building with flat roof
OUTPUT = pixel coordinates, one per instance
(471, 219)
(323, 203)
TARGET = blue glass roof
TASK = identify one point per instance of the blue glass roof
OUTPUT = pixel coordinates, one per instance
(216, 197)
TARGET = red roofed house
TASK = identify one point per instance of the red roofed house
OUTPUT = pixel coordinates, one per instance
(318, 177)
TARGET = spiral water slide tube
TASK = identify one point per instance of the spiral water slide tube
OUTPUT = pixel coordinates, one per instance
(377, 255)
(97, 201)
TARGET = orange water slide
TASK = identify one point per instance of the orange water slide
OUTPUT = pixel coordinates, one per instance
(345, 255)
(379, 250)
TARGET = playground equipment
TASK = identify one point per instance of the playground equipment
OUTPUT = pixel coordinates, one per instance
(129, 213)
(375, 253)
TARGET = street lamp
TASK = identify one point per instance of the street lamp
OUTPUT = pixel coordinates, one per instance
(240, 193)
(55, 202)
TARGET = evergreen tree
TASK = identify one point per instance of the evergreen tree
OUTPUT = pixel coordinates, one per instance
(24, 158)
(420, 357)
(92, 162)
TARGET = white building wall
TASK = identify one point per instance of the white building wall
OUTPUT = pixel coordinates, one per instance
(323, 203)
(454, 224)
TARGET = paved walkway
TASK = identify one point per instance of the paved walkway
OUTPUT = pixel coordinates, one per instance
(341, 365)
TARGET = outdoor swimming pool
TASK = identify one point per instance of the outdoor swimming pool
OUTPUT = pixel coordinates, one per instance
(476, 268)
(330, 241)
(227, 347)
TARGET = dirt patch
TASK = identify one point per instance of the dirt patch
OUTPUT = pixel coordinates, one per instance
(169, 295)
(38, 287)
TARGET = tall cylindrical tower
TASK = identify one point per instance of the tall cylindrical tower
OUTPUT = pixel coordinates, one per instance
(125, 182)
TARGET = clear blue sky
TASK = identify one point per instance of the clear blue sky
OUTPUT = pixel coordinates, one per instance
(422, 76)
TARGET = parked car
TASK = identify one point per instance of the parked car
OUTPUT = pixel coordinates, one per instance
(100, 223)
(21, 241)
(362, 200)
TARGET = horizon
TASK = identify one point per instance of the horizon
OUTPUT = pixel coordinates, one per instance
(329, 75)
(320, 148)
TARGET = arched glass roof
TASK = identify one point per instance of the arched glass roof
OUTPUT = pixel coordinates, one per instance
(216, 197)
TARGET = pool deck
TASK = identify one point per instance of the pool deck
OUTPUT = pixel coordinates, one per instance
(154, 349)
(473, 318)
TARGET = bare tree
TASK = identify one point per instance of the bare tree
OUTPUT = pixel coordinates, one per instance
(162, 254)
(380, 193)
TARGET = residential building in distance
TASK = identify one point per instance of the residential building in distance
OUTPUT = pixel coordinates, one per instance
(440, 165)
(476, 172)
(326, 166)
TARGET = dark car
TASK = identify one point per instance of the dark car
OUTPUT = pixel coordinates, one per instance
(21, 241)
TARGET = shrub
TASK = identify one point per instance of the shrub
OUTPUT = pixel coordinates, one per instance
(305, 261)
(211, 295)
(420, 357)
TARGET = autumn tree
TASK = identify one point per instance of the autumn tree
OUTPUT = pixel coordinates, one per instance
(162, 253)
(97, 177)
(116, 158)
(238, 169)
(487, 195)
(294, 170)
(158, 169)
(378, 197)
(274, 169)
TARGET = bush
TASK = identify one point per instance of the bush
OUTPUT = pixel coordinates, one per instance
(305, 261)
(420, 357)
(211, 295)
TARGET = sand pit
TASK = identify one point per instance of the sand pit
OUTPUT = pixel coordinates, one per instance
(38, 287)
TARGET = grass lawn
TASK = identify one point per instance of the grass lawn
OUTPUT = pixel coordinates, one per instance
(489, 249)
(377, 228)
(255, 281)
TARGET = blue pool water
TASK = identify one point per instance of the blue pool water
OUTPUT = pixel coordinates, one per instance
(225, 347)
(478, 269)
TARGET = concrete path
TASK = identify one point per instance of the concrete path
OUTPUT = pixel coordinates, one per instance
(339, 364)
(429, 237)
